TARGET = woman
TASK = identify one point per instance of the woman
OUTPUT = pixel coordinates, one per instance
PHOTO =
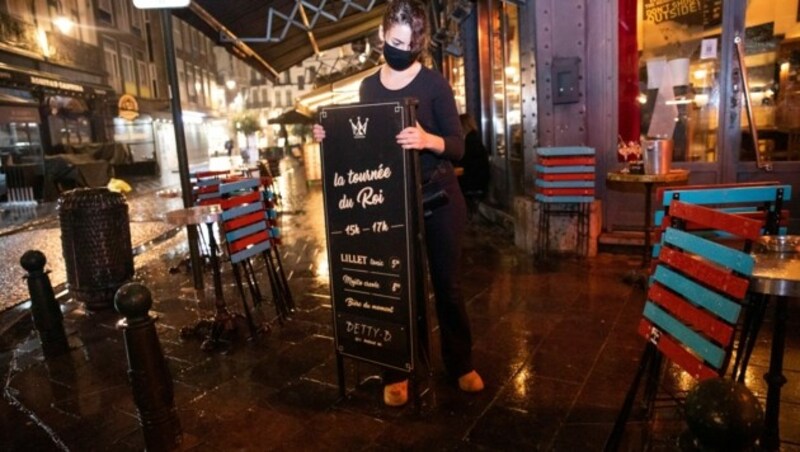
(475, 180)
(437, 136)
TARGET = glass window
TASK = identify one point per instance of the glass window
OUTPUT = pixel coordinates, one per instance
(69, 130)
(181, 80)
(669, 72)
(192, 37)
(144, 82)
(136, 19)
(154, 81)
(122, 15)
(20, 139)
(772, 49)
(207, 87)
(498, 78)
(506, 103)
(177, 36)
(128, 77)
(190, 83)
(112, 64)
(199, 85)
(457, 81)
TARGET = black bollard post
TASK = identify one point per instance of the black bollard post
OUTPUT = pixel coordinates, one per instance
(46, 312)
(147, 370)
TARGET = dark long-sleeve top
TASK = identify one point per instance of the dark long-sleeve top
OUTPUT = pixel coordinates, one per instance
(436, 113)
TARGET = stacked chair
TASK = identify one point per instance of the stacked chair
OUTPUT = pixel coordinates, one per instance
(565, 178)
(281, 284)
(205, 192)
(250, 235)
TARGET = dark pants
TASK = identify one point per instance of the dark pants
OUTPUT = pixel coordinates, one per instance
(444, 233)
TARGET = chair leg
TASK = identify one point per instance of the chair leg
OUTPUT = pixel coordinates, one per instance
(749, 337)
(250, 324)
(275, 274)
(653, 379)
(645, 363)
(277, 299)
(253, 283)
(284, 280)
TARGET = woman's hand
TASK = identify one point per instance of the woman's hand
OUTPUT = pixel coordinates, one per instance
(418, 139)
(318, 132)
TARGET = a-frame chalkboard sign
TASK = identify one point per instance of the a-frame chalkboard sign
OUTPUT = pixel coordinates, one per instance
(373, 229)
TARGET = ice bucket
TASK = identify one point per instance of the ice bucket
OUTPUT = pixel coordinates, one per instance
(657, 156)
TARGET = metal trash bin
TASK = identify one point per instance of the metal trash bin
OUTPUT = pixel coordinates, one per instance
(96, 241)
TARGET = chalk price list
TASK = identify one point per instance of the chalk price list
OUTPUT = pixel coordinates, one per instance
(367, 251)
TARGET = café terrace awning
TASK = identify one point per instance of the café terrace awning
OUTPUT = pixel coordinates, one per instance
(274, 35)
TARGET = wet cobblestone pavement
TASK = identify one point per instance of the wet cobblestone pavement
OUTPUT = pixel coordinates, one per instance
(556, 345)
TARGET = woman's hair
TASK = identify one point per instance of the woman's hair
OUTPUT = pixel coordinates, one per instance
(411, 13)
(468, 123)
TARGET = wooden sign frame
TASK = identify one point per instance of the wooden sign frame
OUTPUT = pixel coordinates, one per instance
(374, 234)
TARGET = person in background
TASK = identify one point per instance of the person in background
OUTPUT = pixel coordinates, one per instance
(475, 180)
(437, 137)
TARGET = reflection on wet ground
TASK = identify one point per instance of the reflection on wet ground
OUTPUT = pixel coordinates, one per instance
(556, 344)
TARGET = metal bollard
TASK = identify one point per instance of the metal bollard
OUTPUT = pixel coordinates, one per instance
(149, 375)
(45, 310)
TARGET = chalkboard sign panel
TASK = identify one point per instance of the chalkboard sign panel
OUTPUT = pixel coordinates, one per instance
(371, 214)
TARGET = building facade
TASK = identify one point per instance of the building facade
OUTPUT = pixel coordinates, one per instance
(53, 91)
(511, 74)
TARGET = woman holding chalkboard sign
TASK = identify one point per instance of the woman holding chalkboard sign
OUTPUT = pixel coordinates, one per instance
(437, 136)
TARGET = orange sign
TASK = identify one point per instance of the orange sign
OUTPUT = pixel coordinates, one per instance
(128, 107)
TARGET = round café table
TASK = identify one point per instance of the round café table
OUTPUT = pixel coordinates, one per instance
(648, 181)
(776, 273)
(222, 325)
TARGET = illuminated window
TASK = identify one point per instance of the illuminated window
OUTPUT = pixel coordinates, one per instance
(112, 64)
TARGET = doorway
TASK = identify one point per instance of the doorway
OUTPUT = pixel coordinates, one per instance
(679, 78)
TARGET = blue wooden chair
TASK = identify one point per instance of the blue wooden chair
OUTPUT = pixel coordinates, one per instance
(564, 187)
(693, 303)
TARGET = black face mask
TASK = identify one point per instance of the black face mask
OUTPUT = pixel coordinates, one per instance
(397, 59)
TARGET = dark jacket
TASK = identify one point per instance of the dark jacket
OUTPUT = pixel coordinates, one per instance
(476, 165)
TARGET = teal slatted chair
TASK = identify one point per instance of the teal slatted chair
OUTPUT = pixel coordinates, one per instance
(693, 303)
